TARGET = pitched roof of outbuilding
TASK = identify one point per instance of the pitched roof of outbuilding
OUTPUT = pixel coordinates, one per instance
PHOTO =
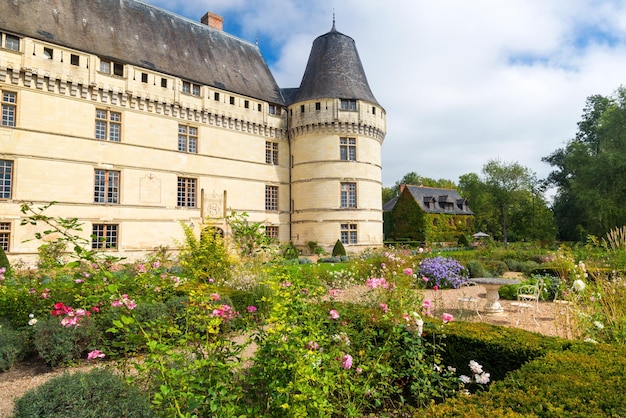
(447, 201)
(334, 70)
(140, 34)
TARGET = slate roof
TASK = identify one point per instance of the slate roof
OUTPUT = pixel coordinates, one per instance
(334, 70)
(140, 34)
(434, 200)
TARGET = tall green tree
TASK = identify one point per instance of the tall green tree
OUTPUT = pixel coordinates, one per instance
(508, 202)
(415, 179)
(589, 171)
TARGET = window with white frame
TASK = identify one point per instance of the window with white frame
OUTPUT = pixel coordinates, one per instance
(349, 234)
(186, 192)
(111, 67)
(108, 125)
(6, 178)
(9, 108)
(104, 236)
(347, 149)
(348, 195)
(106, 186)
(191, 88)
(5, 235)
(9, 41)
(271, 152)
(348, 104)
(187, 139)
(271, 197)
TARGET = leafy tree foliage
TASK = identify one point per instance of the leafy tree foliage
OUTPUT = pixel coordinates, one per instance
(415, 179)
(589, 171)
(508, 202)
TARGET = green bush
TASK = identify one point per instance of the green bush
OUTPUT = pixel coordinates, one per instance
(476, 269)
(497, 267)
(290, 252)
(12, 346)
(57, 345)
(4, 262)
(338, 249)
(205, 258)
(513, 265)
(583, 381)
(527, 267)
(97, 393)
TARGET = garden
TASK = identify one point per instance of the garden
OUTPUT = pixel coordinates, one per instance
(243, 327)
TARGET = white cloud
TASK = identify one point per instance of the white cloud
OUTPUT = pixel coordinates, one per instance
(462, 82)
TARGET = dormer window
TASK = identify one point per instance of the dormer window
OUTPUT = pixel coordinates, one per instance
(348, 104)
(111, 67)
(11, 42)
(191, 88)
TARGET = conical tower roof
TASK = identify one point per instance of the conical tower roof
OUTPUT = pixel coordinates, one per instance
(334, 70)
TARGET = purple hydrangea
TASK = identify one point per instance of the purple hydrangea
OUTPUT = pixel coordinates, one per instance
(443, 272)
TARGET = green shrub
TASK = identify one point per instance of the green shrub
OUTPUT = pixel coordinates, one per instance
(4, 262)
(584, 381)
(290, 252)
(205, 258)
(12, 346)
(57, 345)
(476, 269)
(338, 249)
(527, 267)
(97, 393)
(513, 265)
(497, 267)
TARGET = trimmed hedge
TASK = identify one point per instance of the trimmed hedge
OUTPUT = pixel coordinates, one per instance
(534, 375)
(97, 393)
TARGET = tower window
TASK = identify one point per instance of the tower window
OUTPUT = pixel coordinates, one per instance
(348, 104)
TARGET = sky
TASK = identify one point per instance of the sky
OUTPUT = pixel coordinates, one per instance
(462, 82)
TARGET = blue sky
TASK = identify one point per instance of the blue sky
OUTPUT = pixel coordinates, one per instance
(462, 82)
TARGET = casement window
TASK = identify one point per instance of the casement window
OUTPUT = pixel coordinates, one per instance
(48, 53)
(6, 178)
(106, 186)
(349, 234)
(271, 197)
(8, 41)
(187, 139)
(74, 59)
(9, 108)
(347, 149)
(186, 192)
(5, 235)
(348, 195)
(111, 67)
(274, 110)
(348, 104)
(191, 88)
(271, 231)
(271, 153)
(104, 236)
(108, 125)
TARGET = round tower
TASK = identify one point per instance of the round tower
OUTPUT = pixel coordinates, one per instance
(336, 130)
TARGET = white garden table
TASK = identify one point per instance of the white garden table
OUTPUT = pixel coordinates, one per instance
(492, 284)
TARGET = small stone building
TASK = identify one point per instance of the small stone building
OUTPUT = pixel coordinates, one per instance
(427, 215)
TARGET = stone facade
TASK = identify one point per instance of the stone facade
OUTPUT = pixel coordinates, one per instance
(132, 150)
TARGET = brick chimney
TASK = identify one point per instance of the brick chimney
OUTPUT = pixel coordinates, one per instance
(212, 20)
